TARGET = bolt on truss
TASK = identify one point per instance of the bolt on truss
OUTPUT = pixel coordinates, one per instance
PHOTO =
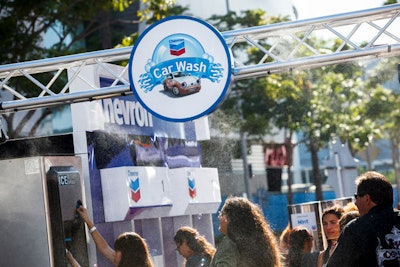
(363, 35)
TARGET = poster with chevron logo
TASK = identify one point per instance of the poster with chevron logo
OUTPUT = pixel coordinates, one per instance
(126, 188)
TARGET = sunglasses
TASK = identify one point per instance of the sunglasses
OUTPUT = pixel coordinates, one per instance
(358, 195)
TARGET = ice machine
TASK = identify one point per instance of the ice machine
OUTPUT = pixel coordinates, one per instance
(38, 217)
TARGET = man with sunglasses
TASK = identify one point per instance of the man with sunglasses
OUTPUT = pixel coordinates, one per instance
(374, 238)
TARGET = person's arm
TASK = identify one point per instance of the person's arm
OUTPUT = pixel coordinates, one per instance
(71, 260)
(100, 242)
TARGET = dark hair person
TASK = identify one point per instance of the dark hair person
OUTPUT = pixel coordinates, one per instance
(373, 238)
(130, 249)
(134, 250)
(350, 213)
(300, 247)
(194, 247)
(249, 241)
(331, 227)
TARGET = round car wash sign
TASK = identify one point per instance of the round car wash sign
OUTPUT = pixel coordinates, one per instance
(180, 69)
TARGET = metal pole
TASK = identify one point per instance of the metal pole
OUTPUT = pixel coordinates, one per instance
(227, 6)
(339, 174)
(245, 164)
(368, 158)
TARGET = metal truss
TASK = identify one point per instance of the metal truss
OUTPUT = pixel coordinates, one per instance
(363, 35)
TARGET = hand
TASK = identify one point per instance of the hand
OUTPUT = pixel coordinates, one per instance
(82, 211)
(71, 260)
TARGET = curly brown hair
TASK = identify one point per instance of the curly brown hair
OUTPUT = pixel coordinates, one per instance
(194, 241)
(248, 228)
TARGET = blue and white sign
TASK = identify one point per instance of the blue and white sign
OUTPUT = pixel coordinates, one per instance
(180, 69)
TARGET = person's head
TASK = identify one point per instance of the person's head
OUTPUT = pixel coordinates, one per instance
(300, 242)
(330, 222)
(350, 212)
(301, 239)
(348, 217)
(350, 206)
(189, 241)
(240, 218)
(373, 189)
(131, 250)
(244, 223)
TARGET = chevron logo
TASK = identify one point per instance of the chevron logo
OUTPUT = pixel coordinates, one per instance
(134, 187)
(177, 47)
(192, 187)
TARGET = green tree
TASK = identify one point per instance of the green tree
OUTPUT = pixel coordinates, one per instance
(251, 104)
(248, 98)
(80, 26)
(155, 10)
(328, 111)
(152, 11)
(321, 103)
(72, 23)
(383, 107)
(31, 20)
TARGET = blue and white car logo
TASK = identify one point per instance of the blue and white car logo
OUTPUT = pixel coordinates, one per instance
(180, 56)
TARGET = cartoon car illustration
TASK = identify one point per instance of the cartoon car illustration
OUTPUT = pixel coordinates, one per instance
(181, 83)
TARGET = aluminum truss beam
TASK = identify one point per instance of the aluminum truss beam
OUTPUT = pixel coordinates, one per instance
(288, 47)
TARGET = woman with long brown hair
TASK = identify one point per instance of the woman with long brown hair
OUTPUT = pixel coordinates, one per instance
(248, 239)
(130, 248)
(330, 223)
(194, 247)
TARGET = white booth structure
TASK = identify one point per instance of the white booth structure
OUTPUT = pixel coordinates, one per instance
(151, 192)
(141, 173)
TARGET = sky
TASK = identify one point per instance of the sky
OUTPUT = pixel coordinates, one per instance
(306, 8)
(321, 8)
